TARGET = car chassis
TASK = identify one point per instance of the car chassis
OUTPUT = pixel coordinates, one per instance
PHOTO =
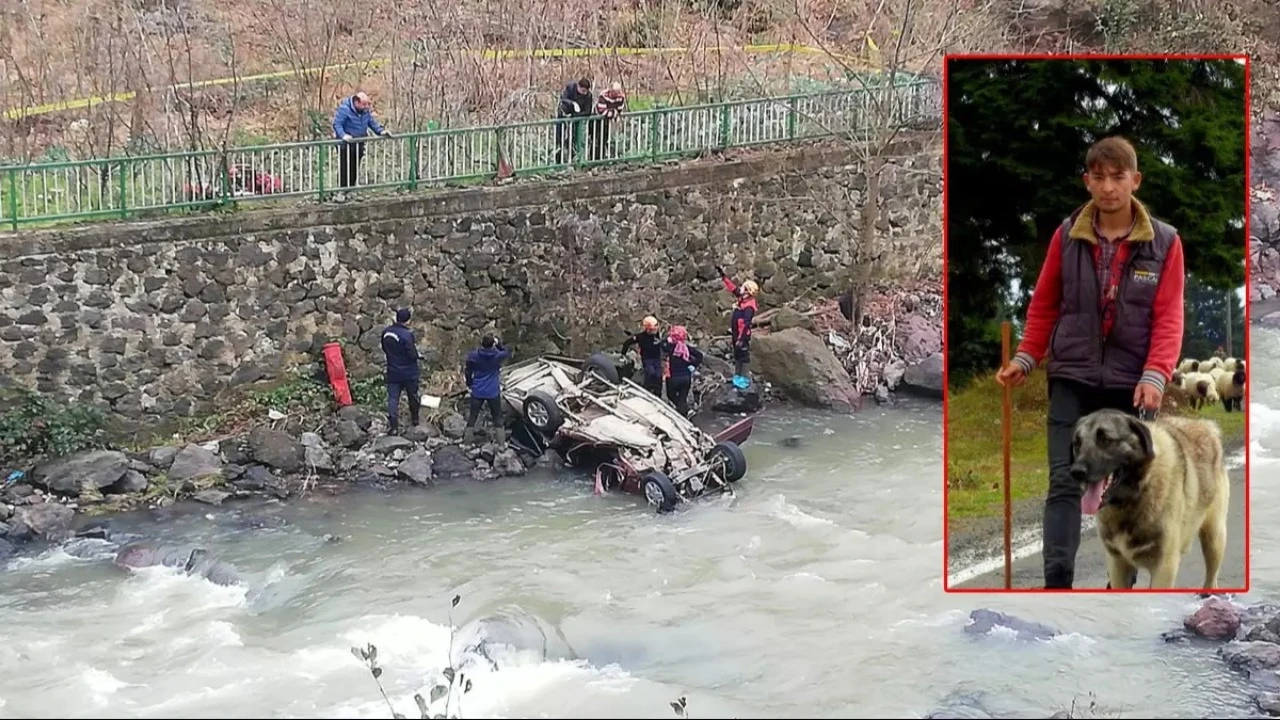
(633, 439)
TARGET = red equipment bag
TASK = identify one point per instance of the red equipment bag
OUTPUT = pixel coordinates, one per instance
(337, 373)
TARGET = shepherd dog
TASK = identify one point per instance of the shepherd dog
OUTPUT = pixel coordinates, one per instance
(1154, 486)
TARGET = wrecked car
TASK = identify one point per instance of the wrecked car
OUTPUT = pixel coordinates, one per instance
(632, 440)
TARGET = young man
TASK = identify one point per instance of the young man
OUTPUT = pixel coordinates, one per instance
(1107, 311)
(401, 349)
(575, 102)
(650, 345)
(483, 375)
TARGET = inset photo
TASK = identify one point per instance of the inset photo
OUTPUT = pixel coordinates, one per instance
(1095, 244)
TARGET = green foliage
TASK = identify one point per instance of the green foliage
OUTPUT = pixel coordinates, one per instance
(305, 392)
(1017, 136)
(1206, 322)
(33, 427)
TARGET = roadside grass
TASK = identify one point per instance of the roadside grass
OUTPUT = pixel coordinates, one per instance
(975, 472)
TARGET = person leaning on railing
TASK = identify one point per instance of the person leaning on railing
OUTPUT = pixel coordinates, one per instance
(609, 107)
(575, 102)
(352, 122)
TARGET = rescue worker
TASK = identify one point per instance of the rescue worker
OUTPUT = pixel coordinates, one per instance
(740, 326)
(482, 373)
(682, 359)
(649, 343)
(400, 347)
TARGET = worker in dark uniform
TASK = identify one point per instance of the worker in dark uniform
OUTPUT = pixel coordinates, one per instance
(682, 359)
(650, 344)
(740, 326)
(482, 373)
(400, 347)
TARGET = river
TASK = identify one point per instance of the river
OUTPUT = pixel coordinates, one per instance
(815, 590)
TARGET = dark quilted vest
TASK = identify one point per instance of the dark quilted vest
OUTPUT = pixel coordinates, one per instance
(1077, 350)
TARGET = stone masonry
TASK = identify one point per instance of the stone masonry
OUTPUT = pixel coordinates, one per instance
(157, 319)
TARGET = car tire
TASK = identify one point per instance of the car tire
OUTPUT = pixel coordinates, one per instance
(602, 365)
(541, 412)
(735, 462)
(659, 491)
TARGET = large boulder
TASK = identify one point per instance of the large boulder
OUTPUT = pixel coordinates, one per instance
(193, 463)
(276, 449)
(800, 367)
(95, 468)
(925, 377)
(48, 520)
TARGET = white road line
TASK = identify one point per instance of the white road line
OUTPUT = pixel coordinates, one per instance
(1025, 544)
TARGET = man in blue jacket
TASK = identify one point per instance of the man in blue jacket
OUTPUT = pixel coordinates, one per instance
(352, 122)
(401, 348)
(483, 375)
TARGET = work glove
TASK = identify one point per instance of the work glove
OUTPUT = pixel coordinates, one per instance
(346, 137)
(386, 133)
(720, 271)
(577, 108)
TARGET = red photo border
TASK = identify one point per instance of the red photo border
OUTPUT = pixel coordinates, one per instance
(946, 539)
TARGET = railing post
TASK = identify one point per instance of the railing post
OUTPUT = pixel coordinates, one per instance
(792, 111)
(726, 126)
(121, 168)
(322, 161)
(224, 177)
(13, 198)
(655, 136)
(499, 138)
(413, 161)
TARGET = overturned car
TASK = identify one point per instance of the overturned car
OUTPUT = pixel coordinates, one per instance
(633, 441)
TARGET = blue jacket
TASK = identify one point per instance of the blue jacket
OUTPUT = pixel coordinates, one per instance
(401, 349)
(483, 371)
(349, 121)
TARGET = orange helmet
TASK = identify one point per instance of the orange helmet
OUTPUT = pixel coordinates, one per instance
(650, 322)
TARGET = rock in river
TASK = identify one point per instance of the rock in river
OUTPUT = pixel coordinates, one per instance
(800, 366)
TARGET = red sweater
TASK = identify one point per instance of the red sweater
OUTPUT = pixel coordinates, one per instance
(1166, 329)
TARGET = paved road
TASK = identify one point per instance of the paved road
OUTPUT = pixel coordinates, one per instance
(1091, 569)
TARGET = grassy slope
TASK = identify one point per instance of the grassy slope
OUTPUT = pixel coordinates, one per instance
(975, 474)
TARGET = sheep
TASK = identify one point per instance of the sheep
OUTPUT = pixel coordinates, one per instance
(1230, 388)
(1189, 366)
(1230, 365)
(1201, 387)
(1211, 363)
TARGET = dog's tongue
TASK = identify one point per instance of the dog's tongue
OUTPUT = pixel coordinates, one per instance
(1092, 500)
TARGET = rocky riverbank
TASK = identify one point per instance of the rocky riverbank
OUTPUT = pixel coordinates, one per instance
(284, 456)
(832, 354)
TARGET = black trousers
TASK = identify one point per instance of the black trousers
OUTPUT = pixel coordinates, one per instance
(394, 389)
(652, 380)
(349, 156)
(1068, 402)
(678, 387)
(495, 411)
(741, 358)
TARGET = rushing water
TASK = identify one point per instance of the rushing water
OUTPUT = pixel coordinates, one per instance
(816, 590)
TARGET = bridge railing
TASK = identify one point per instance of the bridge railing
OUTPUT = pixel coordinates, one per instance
(139, 186)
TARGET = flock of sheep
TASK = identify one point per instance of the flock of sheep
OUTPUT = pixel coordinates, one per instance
(1217, 379)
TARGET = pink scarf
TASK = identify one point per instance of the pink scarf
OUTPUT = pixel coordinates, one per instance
(678, 337)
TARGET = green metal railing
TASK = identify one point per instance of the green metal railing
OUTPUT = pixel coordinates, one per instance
(146, 185)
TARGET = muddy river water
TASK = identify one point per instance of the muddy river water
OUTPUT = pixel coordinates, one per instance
(815, 590)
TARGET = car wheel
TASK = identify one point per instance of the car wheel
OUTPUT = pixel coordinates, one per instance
(659, 491)
(542, 413)
(602, 365)
(735, 462)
